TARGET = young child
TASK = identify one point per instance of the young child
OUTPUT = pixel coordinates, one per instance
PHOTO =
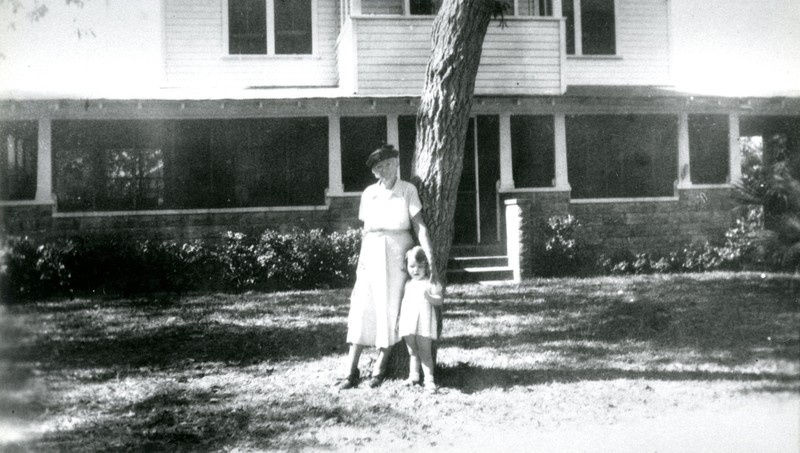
(417, 323)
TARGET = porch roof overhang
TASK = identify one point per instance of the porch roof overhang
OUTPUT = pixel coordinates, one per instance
(227, 102)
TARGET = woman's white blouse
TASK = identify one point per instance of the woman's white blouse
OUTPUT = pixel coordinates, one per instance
(389, 209)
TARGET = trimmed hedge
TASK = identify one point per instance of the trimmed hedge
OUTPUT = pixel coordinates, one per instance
(566, 252)
(120, 266)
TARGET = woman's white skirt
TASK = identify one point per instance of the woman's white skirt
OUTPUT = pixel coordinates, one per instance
(380, 277)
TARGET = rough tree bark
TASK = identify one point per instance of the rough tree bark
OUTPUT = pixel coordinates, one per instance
(442, 122)
(443, 114)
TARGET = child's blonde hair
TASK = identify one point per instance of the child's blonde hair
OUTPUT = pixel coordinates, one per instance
(417, 255)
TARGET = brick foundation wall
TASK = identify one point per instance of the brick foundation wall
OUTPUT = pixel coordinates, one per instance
(26, 220)
(698, 215)
(39, 221)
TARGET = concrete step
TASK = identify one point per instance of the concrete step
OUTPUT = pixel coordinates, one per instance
(461, 262)
(477, 250)
(480, 274)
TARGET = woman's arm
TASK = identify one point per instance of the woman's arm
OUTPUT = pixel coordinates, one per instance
(425, 242)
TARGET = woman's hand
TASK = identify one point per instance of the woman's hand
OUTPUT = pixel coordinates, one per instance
(435, 293)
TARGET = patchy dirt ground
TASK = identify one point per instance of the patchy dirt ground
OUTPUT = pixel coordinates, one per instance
(706, 362)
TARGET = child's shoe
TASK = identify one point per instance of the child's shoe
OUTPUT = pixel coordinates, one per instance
(413, 379)
(430, 387)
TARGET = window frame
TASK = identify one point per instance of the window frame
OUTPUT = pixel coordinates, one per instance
(270, 34)
(578, 34)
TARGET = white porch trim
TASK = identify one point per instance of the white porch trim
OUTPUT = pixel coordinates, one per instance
(735, 156)
(684, 167)
(561, 171)
(506, 161)
(335, 184)
(44, 163)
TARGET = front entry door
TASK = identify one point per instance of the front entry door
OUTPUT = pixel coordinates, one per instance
(477, 210)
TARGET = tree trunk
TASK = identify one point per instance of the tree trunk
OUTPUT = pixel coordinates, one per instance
(443, 115)
(442, 122)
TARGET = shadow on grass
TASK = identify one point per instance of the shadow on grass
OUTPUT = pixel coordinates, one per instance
(723, 329)
(172, 347)
(192, 421)
(470, 378)
(179, 420)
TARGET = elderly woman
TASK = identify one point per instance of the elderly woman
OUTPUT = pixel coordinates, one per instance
(389, 209)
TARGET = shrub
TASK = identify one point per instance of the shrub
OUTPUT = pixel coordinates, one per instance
(564, 250)
(118, 265)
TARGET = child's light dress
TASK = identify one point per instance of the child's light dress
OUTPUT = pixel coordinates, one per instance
(417, 313)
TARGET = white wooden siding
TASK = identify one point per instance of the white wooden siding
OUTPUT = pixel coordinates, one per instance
(194, 51)
(643, 55)
(522, 58)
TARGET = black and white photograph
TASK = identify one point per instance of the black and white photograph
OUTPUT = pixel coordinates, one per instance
(400, 225)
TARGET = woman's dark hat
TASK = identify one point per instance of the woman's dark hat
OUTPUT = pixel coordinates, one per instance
(380, 154)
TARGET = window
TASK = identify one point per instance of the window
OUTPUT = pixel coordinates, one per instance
(708, 148)
(190, 164)
(424, 7)
(622, 156)
(591, 28)
(110, 165)
(535, 7)
(360, 135)
(533, 150)
(134, 178)
(19, 142)
(270, 27)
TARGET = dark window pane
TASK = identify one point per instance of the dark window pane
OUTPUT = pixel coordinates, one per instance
(568, 10)
(535, 7)
(19, 145)
(424, 7)
(293, 27)
(533, 150)
(247, 27)
(110, 165)
(708, 148)
(360, 135)
(134, 165)
(597, 27)
(407, 132)
(623, 156)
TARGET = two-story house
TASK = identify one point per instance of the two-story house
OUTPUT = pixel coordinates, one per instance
(269, 107)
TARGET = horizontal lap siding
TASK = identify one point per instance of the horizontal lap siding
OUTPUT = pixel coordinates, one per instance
(522, 58)
(642, 49)
(194, 51)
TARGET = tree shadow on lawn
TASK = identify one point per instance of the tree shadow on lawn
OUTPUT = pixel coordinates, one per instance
(727, 335)
(470, 378)
(174, 419)
(171, 347)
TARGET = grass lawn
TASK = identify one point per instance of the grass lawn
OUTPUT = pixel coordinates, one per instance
(540, 366)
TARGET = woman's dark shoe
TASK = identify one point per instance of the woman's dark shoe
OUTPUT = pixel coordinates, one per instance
(349, 382)
(376, 381)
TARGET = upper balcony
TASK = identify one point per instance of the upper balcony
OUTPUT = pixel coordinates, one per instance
(383, 49)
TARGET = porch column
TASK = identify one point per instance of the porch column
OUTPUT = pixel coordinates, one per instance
(392, 134)
(557, 10)
(735, 157)
(44, 163)
(335, 185)
(684, 169)
(562, 173)
(506, 164)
